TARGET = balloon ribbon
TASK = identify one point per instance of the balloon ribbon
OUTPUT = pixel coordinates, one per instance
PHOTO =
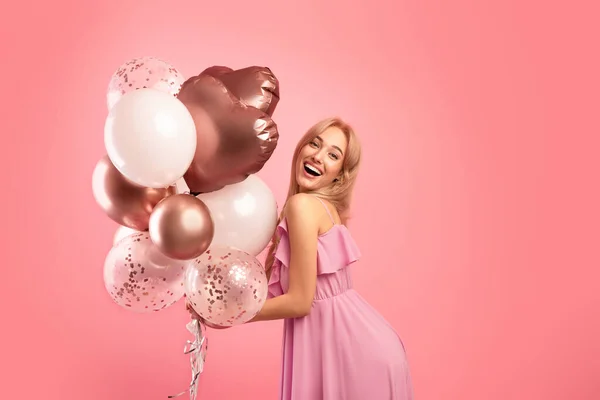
(197, 350)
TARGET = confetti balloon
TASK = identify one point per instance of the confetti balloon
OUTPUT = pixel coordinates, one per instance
(122, 232)
(226, 286)
(143, 72)
(140, 278)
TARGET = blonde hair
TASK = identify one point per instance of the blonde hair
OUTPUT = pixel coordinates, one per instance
(339, 192)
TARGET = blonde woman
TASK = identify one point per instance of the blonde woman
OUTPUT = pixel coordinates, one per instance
(336, 346)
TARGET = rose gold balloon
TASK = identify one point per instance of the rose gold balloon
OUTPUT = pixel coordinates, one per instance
(234, 139)
(181, 226)
(217, 70)
(125, 202)
(254, 86)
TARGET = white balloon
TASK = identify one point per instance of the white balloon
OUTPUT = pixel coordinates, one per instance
(123, 232)
(150, 137)
(244, 215)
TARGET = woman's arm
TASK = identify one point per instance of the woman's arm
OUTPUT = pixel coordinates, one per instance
(302, 213)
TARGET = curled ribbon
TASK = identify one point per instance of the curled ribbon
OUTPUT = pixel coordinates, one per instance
(197, 350)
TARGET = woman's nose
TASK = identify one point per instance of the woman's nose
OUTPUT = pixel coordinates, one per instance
(317, 157)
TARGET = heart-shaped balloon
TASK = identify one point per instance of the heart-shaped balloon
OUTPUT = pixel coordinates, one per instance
(235, 133)
(254, 86)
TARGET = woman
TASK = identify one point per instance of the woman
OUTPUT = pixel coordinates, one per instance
(336, 346)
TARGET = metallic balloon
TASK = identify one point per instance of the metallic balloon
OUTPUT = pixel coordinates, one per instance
(182, 227)
(254, 86)
(234, 139)
(125, 202)
(217, 71)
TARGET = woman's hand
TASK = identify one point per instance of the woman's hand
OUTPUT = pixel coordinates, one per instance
(193, 313)
(196, 316)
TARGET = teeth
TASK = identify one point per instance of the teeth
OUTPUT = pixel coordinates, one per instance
(312, 169)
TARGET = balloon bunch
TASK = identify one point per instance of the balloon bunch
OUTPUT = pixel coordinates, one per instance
(179, 178)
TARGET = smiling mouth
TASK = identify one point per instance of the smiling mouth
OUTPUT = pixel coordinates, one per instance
(311, 170)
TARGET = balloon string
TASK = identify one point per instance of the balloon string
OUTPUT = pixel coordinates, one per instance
(197, 350)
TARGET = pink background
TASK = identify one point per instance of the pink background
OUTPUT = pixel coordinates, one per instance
(476, 210)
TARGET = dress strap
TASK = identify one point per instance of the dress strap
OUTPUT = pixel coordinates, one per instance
(326, 209)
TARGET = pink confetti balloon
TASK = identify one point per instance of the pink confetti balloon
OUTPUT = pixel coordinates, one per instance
(140, 278)
(144, 72)
(226, 286)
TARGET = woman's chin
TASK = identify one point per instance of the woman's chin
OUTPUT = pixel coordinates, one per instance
(306, 184)
(310, 187)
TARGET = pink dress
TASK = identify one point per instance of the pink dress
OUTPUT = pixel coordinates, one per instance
(344, 349)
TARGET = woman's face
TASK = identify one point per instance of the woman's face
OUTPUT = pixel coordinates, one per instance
(321, 160)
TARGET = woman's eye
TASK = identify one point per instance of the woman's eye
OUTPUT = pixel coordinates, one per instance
(313, 144)
(334, 156)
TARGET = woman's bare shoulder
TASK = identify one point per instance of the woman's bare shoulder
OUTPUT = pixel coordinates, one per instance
(308, 210)
(301, 203)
